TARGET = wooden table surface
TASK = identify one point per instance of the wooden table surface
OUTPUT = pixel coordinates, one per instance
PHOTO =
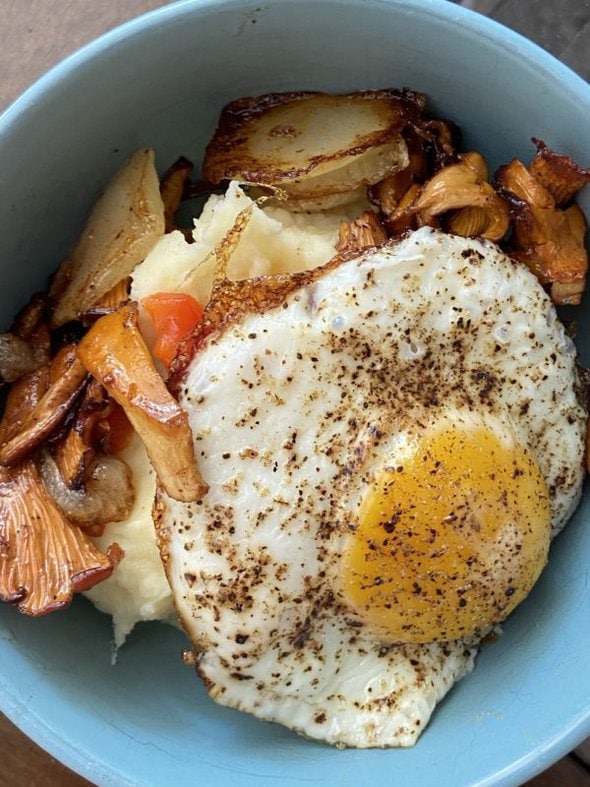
(36, 34)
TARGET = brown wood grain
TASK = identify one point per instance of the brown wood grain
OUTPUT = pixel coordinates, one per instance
(34, 35)
(37, 34)
(24, 764)
(583, 752)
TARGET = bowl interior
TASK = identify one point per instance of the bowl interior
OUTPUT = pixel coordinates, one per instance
(160, 81)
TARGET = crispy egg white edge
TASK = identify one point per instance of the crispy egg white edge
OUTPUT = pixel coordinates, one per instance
(251, 607)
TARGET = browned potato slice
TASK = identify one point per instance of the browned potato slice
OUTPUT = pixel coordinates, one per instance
(114, 352)
(313, 144)
(348, 182)
(121, 229)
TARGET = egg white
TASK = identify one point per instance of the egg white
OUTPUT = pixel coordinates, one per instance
(274, 241)
(293, 411)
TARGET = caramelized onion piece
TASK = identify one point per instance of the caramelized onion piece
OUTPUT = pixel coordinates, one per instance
(121, 229)
(114, 352)
(319, 149)
(363, 232)
(560, 175)
(107, 495)
(549, 240)
(67, 376)
(172, 186)
(44, 560)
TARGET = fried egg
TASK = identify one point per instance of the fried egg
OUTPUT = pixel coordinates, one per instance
(388, 451)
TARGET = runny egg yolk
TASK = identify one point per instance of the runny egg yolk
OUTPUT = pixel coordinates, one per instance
(450, 541)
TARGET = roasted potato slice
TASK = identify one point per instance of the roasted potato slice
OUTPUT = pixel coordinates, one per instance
(349, 182)
(121, 229)
(313, 145)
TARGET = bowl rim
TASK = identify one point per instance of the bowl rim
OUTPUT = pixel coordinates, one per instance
(35, 725)
(501, 35)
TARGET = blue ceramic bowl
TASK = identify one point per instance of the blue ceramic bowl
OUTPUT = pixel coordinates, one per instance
(160, 81)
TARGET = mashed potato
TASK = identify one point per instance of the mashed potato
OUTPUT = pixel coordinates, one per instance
(137, 590)
(275, 241)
